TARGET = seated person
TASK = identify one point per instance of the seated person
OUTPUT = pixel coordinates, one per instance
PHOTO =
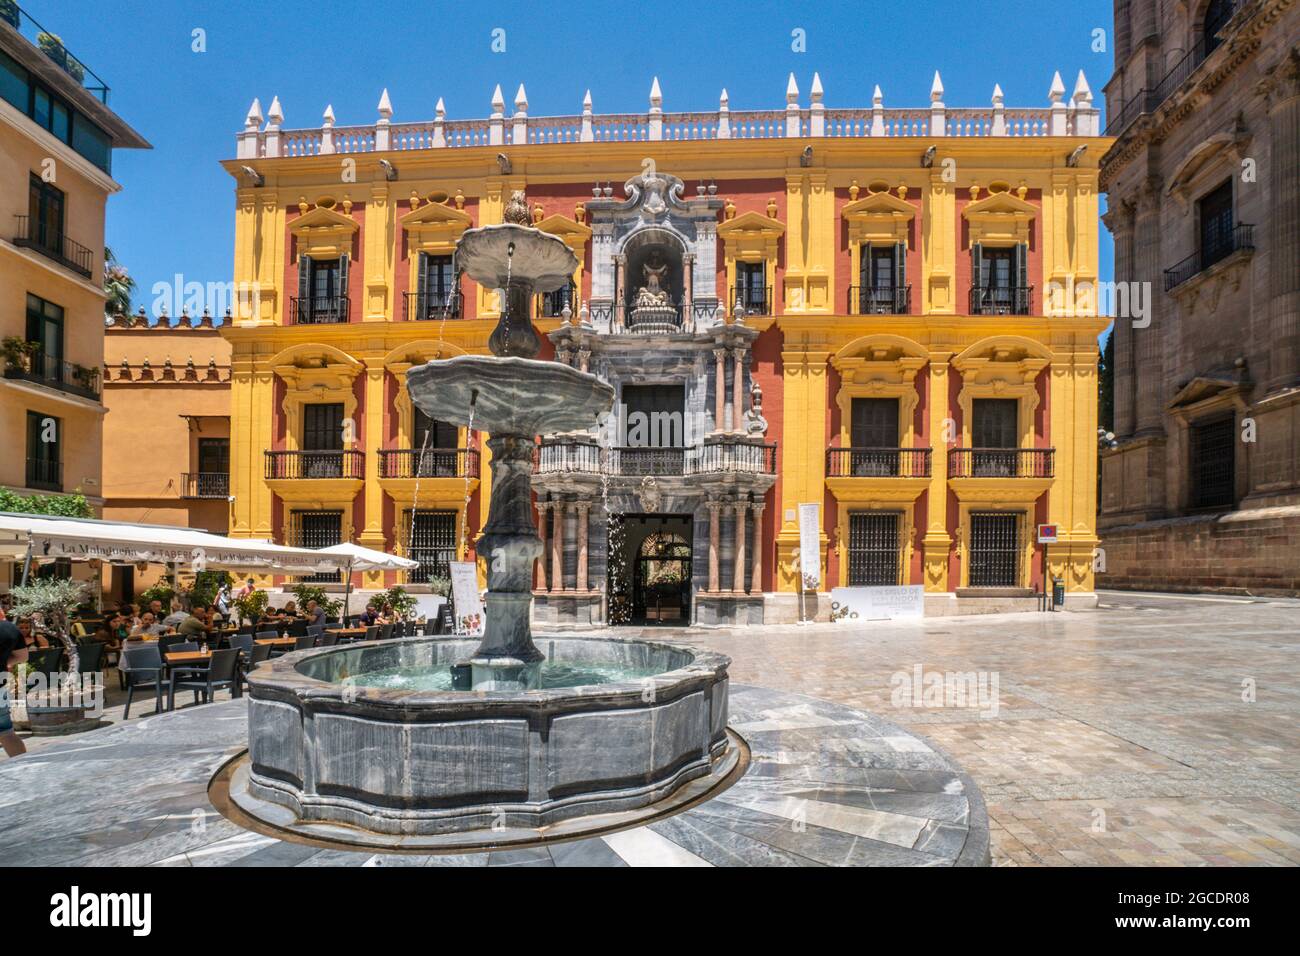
(149, 627)
(32, 639)
(290, 609)
(195, 623)
(369, 616)
(315, 613)
(177, 615)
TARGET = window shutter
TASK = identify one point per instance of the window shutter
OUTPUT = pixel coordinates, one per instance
(1022, 265)
(900, 267)
(864, 266)
(421, 282)
(977, 265)
(343, 277)
(304, 277)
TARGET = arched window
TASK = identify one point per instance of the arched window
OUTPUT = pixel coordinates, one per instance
(1217, 13)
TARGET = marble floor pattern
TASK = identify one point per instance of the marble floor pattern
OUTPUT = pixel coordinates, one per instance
(1157, 729)
(827, 787)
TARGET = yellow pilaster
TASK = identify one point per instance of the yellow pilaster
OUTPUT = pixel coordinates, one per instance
(936, 544)
(803, 456)
(244, 481)
(379, 252)
(939, 247)
(372, 535)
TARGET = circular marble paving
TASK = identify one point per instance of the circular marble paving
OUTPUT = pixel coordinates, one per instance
(825, 786)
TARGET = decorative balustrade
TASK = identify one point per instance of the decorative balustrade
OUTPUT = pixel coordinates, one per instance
(428, 463)
(54, 244)
(878, 462)
(1000, 462)
(880, 300)
(34, 365)
(432, 306)
(318, 310)
(205, 484)
(315, 464)
(1076, 118)
(586, 458)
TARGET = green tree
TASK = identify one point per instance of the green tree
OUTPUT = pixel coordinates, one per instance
(1106, 383)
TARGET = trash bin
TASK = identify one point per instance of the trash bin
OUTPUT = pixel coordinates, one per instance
(1058, 592)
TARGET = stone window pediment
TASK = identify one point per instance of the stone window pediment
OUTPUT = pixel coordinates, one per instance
(751, 237)
(1210, 160)
(999, 218)
(434, 228)
(323, 233)
(879, 217)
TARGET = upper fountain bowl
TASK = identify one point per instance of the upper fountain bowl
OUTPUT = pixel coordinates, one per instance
(540, 261)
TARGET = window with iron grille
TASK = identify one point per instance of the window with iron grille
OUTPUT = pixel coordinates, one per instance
(1213, 451)
(875, 557)
(1215, 210)
(316, 529)
(995, 550)
(430, 540)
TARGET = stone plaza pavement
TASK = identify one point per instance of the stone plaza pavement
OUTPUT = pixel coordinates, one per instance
(1121, 736)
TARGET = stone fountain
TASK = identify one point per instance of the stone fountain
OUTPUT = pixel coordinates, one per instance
(378, 737)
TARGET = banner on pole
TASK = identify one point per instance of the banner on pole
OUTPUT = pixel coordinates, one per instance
(464, 594)
(810, 557)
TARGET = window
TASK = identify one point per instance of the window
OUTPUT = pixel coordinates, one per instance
(882, 287)
(994, 425)
(44, 455)
(874, 436)
(322, 290)
(554, 303)
(316, 529)
(45, 330)
(655, 416)
(994, 550)
(1001, 280)
(1215, 214)
(322, 441)
(45, 214)
(431, 540)
(437, 288)
(1213, 463)
(751, 288)
(26, 94)
(432, 439)
(214, 456)
(874, 554)
(1217, 14)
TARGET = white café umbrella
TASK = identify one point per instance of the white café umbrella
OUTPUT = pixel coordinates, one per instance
(365, 559)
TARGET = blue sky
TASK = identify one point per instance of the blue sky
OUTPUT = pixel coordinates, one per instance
(175, 213)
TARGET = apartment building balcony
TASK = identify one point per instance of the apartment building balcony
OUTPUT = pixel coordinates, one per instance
(428, 474)
(205, 484)
(315, 476)
(1001, 300)
(432, 306)
(49, 371)
(877, 474)
(880, 300)
(53, 244)
(318, 310)
(1006, 474)
(1241, 239)
(53, 48)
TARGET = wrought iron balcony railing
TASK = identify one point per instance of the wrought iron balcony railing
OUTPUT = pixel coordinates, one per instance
(569, 457)
(432, 306)
(318, 310)
(1000, 462)
(880, 300)
(878, 462)
(45, 474)
(1242, 237)
(428, 463)
(553, 304)
(752, 301)
(1001, 300)
(205, 484)
(53, 244)
(53, 47)
(315, 464)
(731, 457)
(581, 457)
(36, 366)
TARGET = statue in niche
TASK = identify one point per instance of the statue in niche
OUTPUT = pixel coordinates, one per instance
(654, 294)
(755, 423)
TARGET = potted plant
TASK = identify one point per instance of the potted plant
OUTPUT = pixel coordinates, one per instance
(9, 13)
(162, 592)
(58, 711)
(251, 606)
(17, 352)
(52, 46)
(303, 593)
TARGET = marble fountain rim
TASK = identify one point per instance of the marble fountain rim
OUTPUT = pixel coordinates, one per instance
(491, 270)
(282, 678)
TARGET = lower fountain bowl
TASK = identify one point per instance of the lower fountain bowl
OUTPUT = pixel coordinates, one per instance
(329, 747)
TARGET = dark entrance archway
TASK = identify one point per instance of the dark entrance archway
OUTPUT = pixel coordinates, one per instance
(649, 571)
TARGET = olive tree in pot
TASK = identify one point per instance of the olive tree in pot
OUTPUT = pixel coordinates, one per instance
(58, 710)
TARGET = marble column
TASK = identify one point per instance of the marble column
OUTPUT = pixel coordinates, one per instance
(737, 390)
(543, 531)
(557, 546)
(1284, 228)
(715, 508)
(742, 524)
(756, 575)
(584, 359)
(688, 292)
(620, 277)
(1148, 343)
(720, 402)
(584, 510)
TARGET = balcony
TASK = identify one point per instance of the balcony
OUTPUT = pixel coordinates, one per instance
(878, 462)
(880, 300)
(53, 244)
(428, 463)
(1240, 239)
(1000, 462)
(318, 310)
(18, 18)
(35, 366)
(45, 474)
(580, 457)
(1001, 300)
(205, 484)
(552, 304)
(310, 465)
(432, 306)
(751, 301)
(1149, 100)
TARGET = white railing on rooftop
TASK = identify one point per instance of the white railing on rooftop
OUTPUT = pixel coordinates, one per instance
(1077, 118)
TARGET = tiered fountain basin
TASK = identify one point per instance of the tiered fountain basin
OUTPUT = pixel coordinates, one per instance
(356, 736)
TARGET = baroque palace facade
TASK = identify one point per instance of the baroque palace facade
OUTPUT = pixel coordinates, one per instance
(883, 312)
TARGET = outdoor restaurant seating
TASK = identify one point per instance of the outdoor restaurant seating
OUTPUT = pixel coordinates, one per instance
(90, 657)
(304, 642)
(297, 628)
(385, 631)
(143, 669)
(372, 632)
(220, 673)
(328, 639)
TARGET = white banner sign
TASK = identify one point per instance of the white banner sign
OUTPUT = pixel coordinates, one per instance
(464, 595)
(810, 557)
(877, 603)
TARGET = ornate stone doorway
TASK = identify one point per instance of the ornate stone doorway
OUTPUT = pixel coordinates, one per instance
(650, 568)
